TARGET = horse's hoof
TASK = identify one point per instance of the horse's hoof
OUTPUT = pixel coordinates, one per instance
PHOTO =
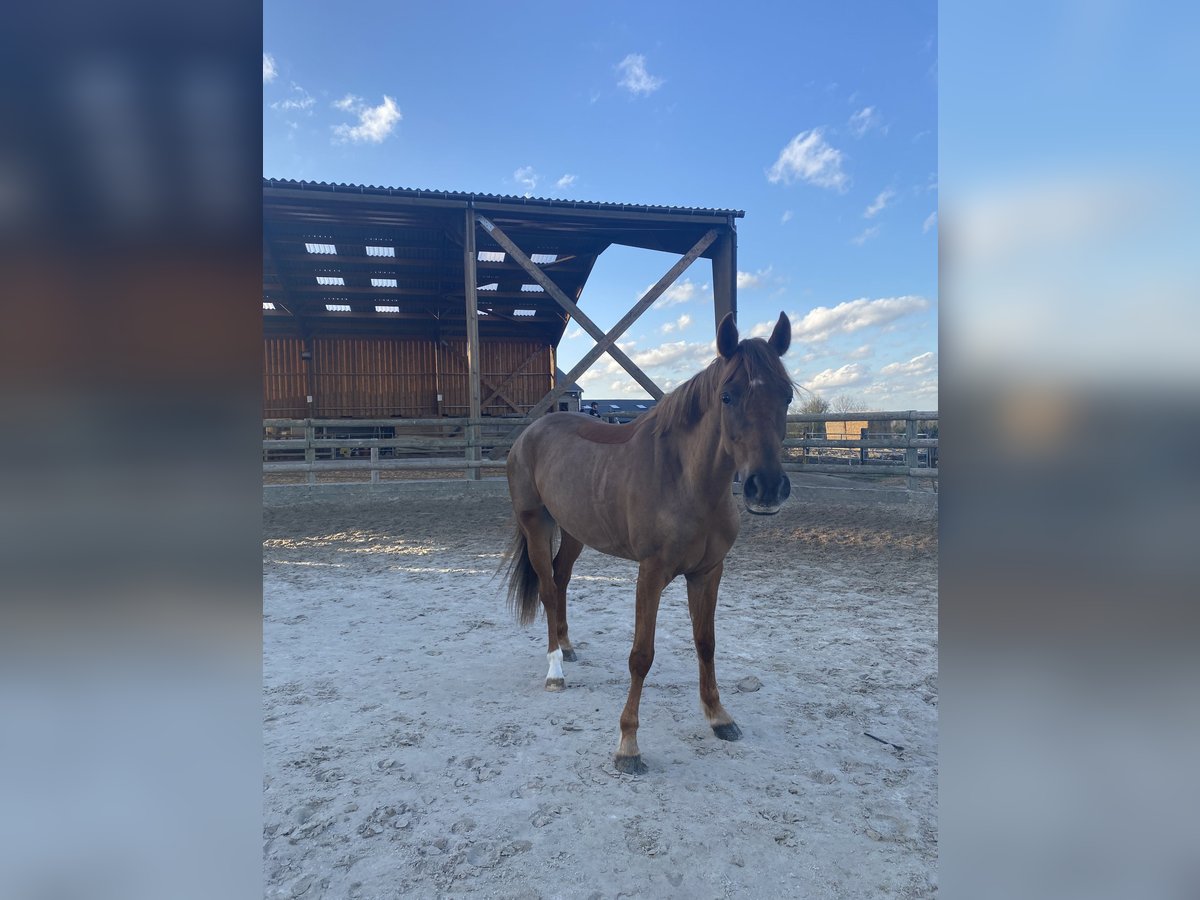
(630, 765)
(569, 656)
(727, 732)
(556, 684)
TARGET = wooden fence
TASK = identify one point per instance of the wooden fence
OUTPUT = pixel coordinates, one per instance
(372, 446)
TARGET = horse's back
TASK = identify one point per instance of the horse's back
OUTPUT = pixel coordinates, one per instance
(581, 482)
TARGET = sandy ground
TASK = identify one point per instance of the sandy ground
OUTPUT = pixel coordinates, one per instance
(411, 751)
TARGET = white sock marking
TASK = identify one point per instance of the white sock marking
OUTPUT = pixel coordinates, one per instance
(555, 660)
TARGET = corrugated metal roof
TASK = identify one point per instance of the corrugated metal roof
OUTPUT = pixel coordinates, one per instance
(466, 196)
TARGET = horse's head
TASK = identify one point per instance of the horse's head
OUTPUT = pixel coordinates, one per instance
(754, 391)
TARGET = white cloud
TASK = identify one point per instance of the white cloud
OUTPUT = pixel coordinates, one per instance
(824, 322)
(786, 217)
(680, 292)
(269, 70)
(678, 325)
(375, 123)
(693, 354)
(304, 101)
(879, 203)
(635, 78)
(864, 120)
(748, 280)
(808, 157)
(845, 376)
(526, 177)
(348, 102)
(865, 235)
(861, 352)
(930, 222)
(566, 181)
(924, 364)
(574, 333)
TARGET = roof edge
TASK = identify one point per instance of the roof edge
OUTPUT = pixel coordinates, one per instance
(505, 199)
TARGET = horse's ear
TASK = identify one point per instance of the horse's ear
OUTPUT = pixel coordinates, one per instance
(727, 336)
(781, 337)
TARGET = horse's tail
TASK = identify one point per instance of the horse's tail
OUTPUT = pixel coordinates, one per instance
(522, 580)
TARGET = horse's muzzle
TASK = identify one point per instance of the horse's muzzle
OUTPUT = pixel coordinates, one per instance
(764, 494)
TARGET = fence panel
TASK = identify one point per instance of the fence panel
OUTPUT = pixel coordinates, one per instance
(371, 446)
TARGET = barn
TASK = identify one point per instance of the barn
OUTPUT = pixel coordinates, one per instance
(397, 303)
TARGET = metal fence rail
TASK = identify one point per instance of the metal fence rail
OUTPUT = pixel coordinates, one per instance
(911, 454)
(476, 445)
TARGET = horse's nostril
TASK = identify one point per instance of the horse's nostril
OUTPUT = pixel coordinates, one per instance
(750, 490)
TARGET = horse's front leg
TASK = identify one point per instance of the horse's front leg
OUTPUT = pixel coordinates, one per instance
(702, 602)
(651, 582)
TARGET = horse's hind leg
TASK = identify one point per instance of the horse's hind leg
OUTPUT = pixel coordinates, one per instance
(702, 604)
(539, 537)
(569, 549)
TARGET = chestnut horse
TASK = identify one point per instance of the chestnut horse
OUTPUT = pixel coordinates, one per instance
(659, 491)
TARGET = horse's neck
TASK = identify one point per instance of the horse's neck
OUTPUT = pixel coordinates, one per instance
(707, 467)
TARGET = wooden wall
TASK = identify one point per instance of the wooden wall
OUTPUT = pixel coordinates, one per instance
(284, 389)
(385, 377)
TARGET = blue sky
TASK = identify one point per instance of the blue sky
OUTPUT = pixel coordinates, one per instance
(818, 120)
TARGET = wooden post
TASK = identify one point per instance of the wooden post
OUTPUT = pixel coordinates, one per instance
(437, 371)
(374, 462)
(310, 453)
(472, 301)
(307, 356)
(910, 452)
(724, 267)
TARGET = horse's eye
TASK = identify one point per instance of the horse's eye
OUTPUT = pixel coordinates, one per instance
(725, 398)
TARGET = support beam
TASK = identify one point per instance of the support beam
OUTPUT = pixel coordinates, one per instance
(472, 303)
(569, 305)
(629, 318)
(724, 268)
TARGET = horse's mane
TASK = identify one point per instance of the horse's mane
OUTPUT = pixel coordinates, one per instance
(685, 405)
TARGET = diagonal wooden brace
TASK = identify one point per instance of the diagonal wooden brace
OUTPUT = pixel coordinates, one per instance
(629, 318)
(484, 381)
(566, 303)
(498, 391)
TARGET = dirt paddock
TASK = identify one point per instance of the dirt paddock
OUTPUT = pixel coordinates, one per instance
(411, 751)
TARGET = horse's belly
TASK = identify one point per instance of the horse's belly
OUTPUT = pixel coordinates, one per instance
(594, 528)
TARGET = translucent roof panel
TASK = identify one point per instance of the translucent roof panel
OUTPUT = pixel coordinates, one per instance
(327, 249)
(383, 282)
(380, 251)
(491, 256)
